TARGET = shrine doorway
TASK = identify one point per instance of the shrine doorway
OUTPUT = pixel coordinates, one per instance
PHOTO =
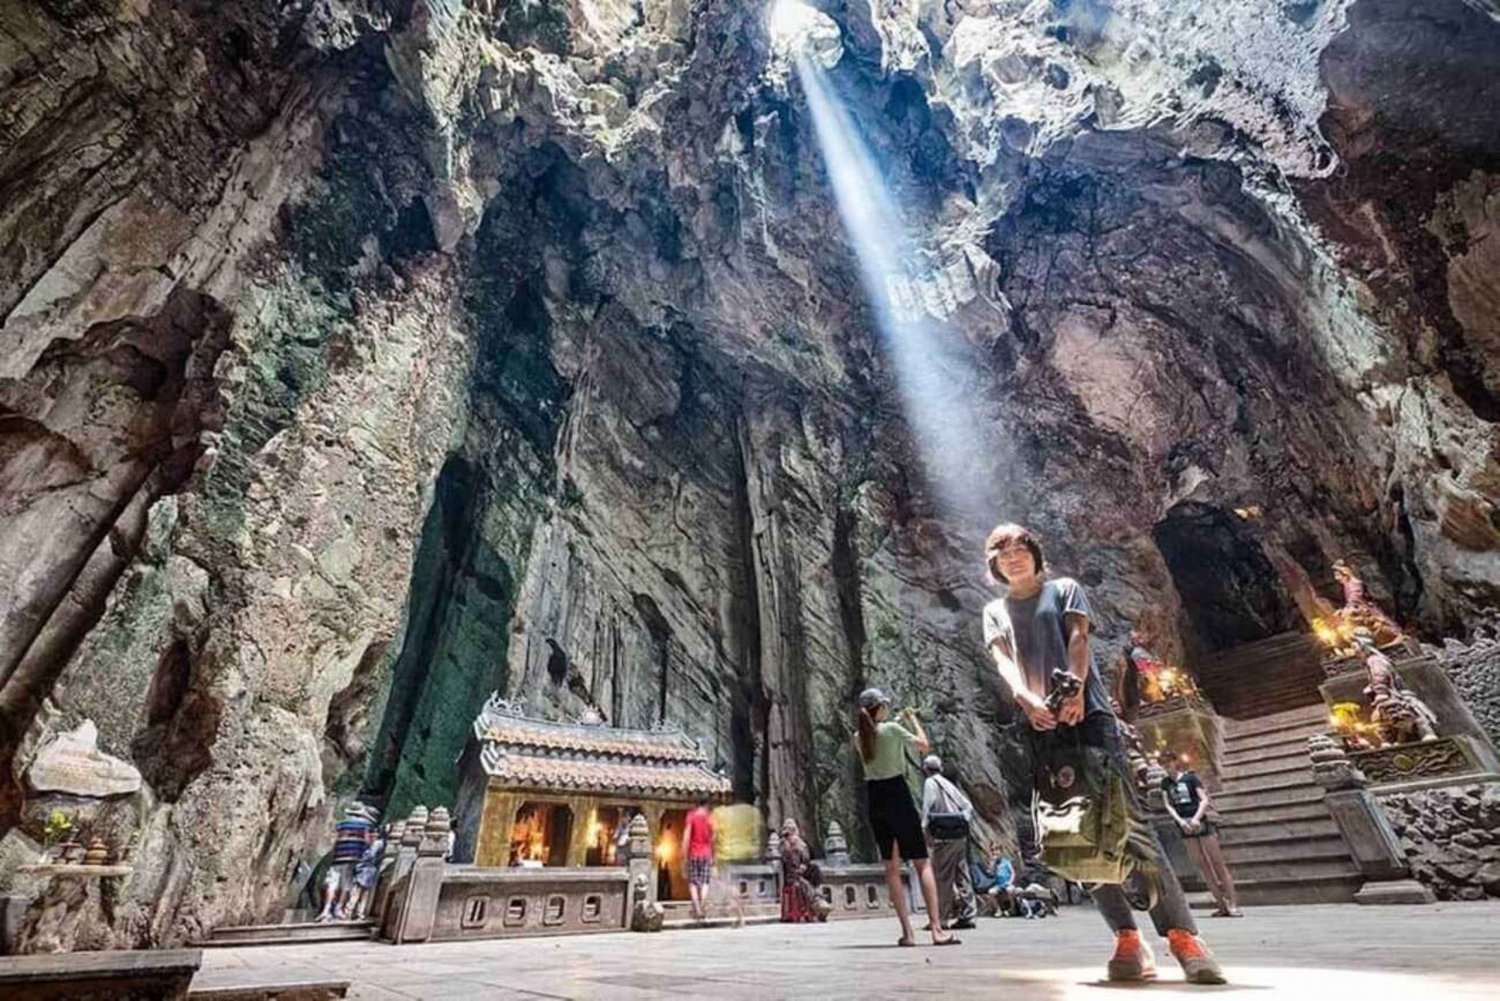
(671, 856)
(610, 824)
(540, 834)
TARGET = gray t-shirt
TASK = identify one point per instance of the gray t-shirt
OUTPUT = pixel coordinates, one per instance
(1034, 632)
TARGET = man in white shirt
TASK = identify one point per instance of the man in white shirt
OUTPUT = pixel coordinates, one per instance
(946, 817)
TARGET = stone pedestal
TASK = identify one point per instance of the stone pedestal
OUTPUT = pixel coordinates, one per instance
(1367, 832)
(1427, 680)
(1397, 891)
(1372, 843)
(1184, 726)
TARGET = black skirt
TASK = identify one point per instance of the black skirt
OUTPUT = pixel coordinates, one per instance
(894, 818)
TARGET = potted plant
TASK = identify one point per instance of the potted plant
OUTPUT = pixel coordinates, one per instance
(56, 838)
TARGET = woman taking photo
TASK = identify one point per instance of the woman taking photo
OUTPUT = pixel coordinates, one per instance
(882, 745)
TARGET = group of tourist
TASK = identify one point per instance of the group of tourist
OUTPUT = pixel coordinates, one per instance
(354, 865)
(1038, 634)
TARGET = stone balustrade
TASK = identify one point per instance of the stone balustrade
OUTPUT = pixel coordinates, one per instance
(860, 891)
(422, 898)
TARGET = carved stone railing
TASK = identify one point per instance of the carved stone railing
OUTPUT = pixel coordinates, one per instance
(1433, 762)
(499, 903)
(860, 891)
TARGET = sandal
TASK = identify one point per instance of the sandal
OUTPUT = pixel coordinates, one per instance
(950, 940)
(906, 943)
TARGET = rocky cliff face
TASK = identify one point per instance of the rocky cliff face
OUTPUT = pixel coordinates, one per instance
(363, 356)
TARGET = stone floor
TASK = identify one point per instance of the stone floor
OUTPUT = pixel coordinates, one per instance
(1326, 953)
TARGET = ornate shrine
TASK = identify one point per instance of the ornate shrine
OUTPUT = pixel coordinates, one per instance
(535, 792)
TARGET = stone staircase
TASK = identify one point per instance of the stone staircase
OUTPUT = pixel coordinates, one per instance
(1281, 843)
(1263, 678)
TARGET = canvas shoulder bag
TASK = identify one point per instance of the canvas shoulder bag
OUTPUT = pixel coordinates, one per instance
(1079, 809)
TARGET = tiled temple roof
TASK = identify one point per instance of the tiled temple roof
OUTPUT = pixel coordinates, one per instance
(583, 757)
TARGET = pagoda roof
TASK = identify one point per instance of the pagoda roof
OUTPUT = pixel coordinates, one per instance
(545, 755)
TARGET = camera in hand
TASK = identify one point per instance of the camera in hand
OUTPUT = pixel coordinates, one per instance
(1065, 685)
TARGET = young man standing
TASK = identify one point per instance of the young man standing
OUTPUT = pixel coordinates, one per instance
(698, 837)
(1188, 803)
(1041, 626)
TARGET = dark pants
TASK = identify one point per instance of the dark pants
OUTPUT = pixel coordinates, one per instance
(1148, 868)
(955, 889)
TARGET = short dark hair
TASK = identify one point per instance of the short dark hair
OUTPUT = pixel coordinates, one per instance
(1002, 536)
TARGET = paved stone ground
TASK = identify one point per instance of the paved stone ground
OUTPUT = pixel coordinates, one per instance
(1327, 953)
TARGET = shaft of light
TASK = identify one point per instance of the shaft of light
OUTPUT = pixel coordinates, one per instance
(944, 423)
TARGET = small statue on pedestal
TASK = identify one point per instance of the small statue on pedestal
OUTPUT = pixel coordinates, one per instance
(646, 915)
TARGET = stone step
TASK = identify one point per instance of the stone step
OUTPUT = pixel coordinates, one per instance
(1235, 729)
(1258, 831)
(1245, 816)
(1297, 890)
(290, 933)
(1289, 750)
(1259, 705)
(1295, 869)
(1256, 799)
(1278, 739)
(1289, 779)
(1296, 850)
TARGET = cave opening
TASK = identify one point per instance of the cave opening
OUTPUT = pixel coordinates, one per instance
(1235, 603)
(1230, 591)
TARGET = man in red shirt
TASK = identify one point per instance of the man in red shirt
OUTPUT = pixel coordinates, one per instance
(698, 838)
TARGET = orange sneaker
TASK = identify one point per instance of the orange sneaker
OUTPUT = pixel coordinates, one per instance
(1198, 964)
(1132, 959)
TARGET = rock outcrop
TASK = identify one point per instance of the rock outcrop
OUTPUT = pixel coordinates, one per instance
(364, 356)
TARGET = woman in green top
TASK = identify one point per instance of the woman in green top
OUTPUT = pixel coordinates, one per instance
(882, 748)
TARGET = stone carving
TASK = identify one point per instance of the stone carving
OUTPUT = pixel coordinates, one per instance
(1404, 762)
(645, 914)
(1359, 612)
(835, 846)
(773, 848)
(1331, 767)
(72, 763)
(1399, 716)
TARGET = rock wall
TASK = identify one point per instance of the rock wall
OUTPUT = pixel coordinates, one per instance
(363, 356)
(1451, 838)
(1475, 670)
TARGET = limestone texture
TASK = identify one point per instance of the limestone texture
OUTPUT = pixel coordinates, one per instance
(361, 357)
(1451, 838)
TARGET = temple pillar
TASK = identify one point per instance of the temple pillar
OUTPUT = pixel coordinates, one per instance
(644, 913)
